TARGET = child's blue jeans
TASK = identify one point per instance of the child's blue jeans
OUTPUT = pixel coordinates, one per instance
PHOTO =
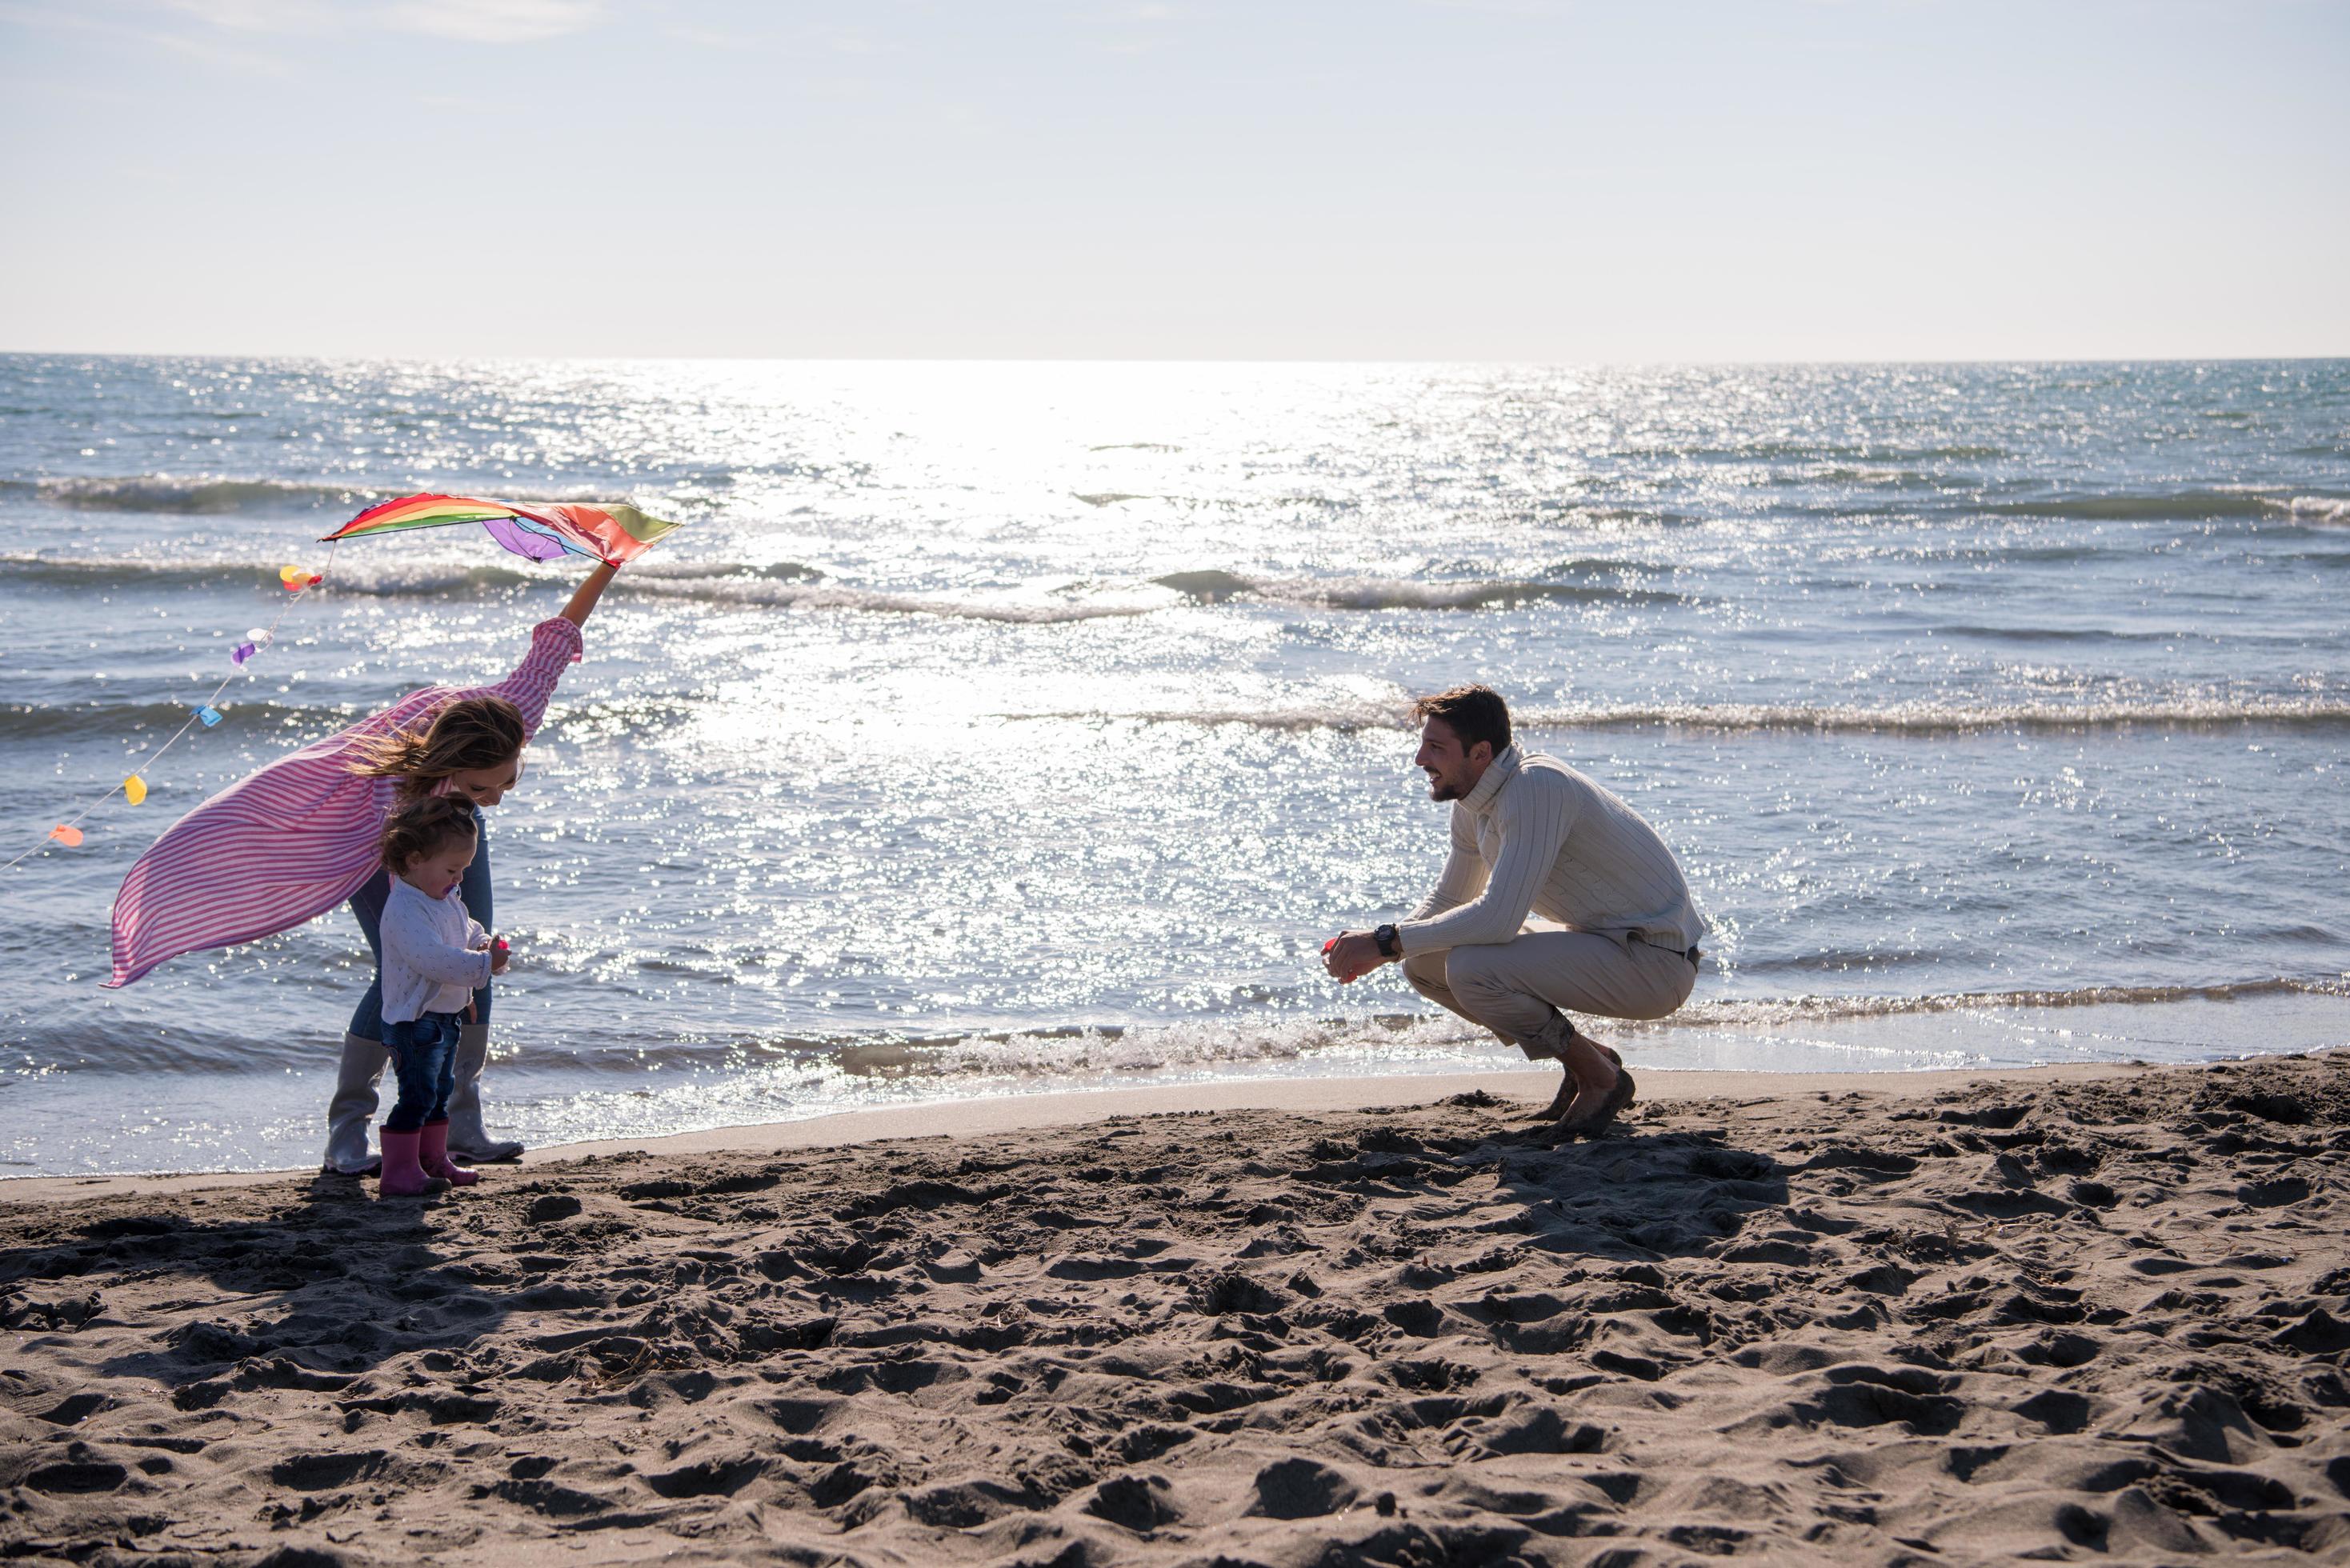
(424, 1058)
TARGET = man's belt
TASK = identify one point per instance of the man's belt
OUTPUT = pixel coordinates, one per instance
(1691, 954)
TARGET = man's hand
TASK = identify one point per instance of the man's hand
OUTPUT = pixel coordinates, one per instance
(1352, 955)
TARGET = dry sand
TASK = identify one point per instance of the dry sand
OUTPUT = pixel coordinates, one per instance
(2096, 1316)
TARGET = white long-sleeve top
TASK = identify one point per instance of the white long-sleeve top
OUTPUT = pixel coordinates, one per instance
(1537, 838)
(435, 956)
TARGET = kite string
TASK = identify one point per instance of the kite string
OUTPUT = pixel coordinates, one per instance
(194, 714)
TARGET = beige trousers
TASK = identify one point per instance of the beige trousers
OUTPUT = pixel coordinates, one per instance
(1518, 988)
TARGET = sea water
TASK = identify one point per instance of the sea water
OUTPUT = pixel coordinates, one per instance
(993, 728)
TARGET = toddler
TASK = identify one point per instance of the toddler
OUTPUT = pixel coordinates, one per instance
(434, 957)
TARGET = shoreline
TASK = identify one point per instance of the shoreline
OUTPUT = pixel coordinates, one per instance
(998, 1114)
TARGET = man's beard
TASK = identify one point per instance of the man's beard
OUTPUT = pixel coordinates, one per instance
(1441, 788)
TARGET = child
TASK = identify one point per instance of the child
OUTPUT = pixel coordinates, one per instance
(435, 957)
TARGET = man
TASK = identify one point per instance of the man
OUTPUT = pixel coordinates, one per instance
(1532, 835)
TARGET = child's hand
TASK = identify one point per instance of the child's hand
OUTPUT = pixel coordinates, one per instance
(499, 955)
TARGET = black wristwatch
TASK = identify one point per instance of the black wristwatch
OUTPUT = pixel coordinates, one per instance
(1390, 944)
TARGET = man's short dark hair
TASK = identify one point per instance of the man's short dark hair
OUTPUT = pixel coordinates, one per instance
(1474, 713)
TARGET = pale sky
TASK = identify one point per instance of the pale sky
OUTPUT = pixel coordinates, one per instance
(1512, 180)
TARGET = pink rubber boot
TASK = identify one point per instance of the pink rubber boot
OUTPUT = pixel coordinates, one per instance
(432, 1153)
(402, 1175)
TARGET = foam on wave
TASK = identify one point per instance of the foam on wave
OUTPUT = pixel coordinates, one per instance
(2325, 509)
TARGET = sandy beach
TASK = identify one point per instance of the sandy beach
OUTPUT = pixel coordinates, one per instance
(2058, 1314)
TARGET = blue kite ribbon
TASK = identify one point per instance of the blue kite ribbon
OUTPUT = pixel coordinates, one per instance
(208, 716)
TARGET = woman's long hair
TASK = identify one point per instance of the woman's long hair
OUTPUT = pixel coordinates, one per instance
(471, 733)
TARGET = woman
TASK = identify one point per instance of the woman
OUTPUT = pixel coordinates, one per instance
(301, 835)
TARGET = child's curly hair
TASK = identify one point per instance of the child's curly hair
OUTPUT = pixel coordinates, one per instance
(423, 828)
(473, 733)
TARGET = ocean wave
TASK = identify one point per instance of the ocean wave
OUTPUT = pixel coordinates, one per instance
(1772, 1011)
(2300, 712)
(391, 577)
(387, 574)
(2174, 506)
(746, 591)
(788, 585)
(2049, 633)
(213, 494)
(1207, 1043)
(1202, 1044)
(174, 493)
(109, 1045)
(1214, 587)
(99, 572)
(306, 722)
(798, 585)
(25, 722)
(2315, 508)
(1027, 1052)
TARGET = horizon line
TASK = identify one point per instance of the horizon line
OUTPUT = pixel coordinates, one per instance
(1763, 363)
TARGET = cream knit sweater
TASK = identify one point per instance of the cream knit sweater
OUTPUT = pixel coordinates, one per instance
(1536, 837)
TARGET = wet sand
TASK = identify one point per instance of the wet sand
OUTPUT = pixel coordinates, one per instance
(2088, 1314)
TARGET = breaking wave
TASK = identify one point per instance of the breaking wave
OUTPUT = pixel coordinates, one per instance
(2315, 508)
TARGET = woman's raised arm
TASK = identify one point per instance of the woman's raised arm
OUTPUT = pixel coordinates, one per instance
(583, 601)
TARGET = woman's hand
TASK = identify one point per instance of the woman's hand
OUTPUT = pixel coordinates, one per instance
(583, 598)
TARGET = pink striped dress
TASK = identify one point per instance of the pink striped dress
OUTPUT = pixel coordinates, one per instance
(298, 837)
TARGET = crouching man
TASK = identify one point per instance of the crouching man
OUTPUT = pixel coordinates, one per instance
(1532, 835)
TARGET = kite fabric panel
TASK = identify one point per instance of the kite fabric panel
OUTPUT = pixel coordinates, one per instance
(612, 534)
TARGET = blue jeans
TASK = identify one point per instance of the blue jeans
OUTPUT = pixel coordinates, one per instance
(367, 905)
(424, 1057)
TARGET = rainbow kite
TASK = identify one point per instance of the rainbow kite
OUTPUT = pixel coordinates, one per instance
(612, 534)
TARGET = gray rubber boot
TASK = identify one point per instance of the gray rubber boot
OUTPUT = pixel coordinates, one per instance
(352, 1110)
(467, 1137)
